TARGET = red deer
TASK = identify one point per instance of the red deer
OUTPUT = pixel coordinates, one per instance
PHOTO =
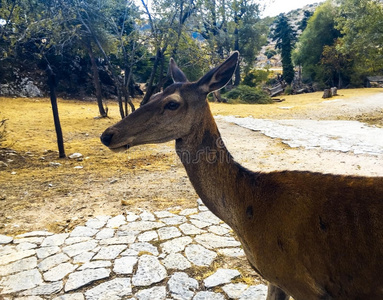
(310, 235)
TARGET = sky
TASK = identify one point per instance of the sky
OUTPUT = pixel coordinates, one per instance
(275, 7)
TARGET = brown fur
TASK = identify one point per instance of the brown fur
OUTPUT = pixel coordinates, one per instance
(311, 235)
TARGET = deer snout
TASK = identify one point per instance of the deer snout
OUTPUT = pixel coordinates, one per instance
(106, 138)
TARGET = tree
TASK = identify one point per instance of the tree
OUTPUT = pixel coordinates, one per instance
(320, 32)
(167, 21)
(233, 25)
(285, 37)
(361, 26)
(306, 16)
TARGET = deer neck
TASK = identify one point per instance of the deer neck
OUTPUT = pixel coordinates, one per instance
(220, 182)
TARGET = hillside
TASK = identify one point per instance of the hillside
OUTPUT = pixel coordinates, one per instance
(295, 16)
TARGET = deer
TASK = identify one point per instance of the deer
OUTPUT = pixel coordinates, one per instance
(309, 235)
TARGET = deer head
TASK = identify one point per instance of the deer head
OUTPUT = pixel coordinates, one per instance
(171, 114)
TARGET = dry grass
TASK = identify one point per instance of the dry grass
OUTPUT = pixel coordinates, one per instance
(36, 194)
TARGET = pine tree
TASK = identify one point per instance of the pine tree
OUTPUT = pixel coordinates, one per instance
(285, 36)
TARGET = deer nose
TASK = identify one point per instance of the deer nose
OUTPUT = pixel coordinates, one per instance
(106, 138)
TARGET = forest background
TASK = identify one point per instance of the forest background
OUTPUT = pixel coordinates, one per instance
(102, 49)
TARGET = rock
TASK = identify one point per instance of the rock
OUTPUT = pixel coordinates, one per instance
(29, 89)
(207, 216)
(77, 239)
(116, 221)
(181, 286)
(54, 240)
(189, 229)
(105, 233)
(25, 246)
(18, 266)
(114, 289)
(45, 289)
(74, 296)
(95, 223)
(145, 247)
(188, 211)
(83, 231)
(142, 226)
(55, 164)
(78, 248)
(234, 290)
(75, 155)
(5, 239)
(81, 278)
(126, 239)
(176, 261)
(148, 236)
(200, 224)
(232, 252)
(83, 257)
(110, 252)
(78, 167)
(149, 271)
(176, 245)
(124, 265)
(219, 230)
(208, 296)
(59, 272)
(52, 261)
(95, 265)
(174, 220)
(164, 214)
(221, 276)
(157, 293)
(166, 233)
(38, 233)
(47, 251)
(131, 217)
(147, 216)
(21, 281)
(34, 240)
(199, 255)
(6, 259)
(212, 241)
(255, 292)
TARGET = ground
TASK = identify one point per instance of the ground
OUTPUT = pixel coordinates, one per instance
(40, 191)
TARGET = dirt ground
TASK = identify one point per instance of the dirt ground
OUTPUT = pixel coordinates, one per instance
(36, 194)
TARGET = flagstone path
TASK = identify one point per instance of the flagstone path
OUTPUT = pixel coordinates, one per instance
(144, 256)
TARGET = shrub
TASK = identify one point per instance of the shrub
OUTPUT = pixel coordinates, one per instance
(247, 94)
(255, 77)
(288, 90)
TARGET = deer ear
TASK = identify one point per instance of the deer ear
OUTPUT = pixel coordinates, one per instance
(176, 73)
(218, 77)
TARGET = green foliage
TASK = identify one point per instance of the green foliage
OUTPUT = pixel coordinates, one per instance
(285, 38)
(360, 22)
(320, 32)
(247, 94)
(255, 77)
(288, 90)
(270, 53)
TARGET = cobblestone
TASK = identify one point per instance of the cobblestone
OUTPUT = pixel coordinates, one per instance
(136, 255)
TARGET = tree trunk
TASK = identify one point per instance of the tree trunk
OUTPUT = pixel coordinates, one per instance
(150, 88)
(237, 79)
(52, 90)
(96, 82)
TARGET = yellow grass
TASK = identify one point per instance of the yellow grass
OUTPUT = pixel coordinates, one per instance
(296, 103)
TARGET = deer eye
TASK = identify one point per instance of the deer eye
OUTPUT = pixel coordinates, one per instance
(172, 105)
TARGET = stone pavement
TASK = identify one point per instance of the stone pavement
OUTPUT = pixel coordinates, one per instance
(144, 256)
